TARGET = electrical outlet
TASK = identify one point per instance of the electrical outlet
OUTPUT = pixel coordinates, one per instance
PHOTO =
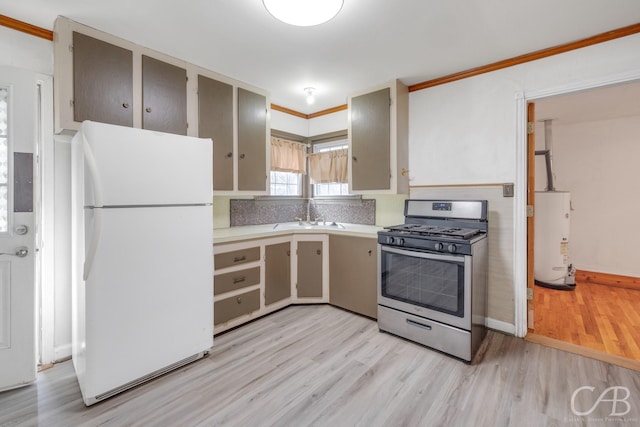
(529, 293)
(507, 190)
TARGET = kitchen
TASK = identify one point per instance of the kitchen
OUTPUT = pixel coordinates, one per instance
(493, 107)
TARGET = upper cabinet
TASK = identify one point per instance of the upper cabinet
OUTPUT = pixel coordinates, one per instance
(103, 78)
(215, 121)
(252, 128)
(164, 96)
(378, 140)
(236, 118)
(101, 71)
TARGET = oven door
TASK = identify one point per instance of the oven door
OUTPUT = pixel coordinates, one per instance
(427, 284)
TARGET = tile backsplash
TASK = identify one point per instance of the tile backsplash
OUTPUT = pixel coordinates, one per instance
(265, 211)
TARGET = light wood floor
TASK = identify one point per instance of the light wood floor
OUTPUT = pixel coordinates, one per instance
(319, 365)
(599, 317)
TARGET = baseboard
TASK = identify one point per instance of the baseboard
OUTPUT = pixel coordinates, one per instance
(61, 353)
(499, 325)
(584, 351)
(615, 280)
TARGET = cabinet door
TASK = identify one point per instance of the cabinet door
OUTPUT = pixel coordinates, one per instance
(215, 121)
(252, 141)
(230, 308)
(164, 96)
(309, 270)
(353, 274)
(102, 81)
(370, 141)
(277, 272)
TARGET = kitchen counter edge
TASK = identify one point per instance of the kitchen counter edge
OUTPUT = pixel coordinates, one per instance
(248, 232)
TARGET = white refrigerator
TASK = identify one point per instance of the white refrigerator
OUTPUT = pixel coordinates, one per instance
(142, 255)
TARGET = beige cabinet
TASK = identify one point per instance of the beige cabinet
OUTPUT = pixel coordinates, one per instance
(236, 284)
(101, 71)
(164, 96)
(277, 276)
(353, 267)
(378, 140)
(103, 78)
(251, 278)
(236, 119)
(252, 141)
(310, 267)
(215, 121)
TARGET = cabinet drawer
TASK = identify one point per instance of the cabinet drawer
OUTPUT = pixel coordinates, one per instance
(242, 256)
(236, 280)
(230, 308)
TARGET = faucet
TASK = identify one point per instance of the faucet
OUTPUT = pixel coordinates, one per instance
(309, 210)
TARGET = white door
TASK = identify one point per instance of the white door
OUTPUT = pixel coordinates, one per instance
(19, 130)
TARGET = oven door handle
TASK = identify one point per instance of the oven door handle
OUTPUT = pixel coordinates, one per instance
(420, 254)
(418, 324)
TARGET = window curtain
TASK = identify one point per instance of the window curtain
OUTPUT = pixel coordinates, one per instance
(328, 166)
(288, 156)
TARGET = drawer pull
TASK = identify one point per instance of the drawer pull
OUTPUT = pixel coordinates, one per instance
(239, 300)
(239, 279)
(239, 258)
(419, 325)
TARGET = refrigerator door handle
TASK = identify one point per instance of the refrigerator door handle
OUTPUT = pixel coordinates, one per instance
(92, 170)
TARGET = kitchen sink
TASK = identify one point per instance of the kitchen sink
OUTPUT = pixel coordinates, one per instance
(308, 226)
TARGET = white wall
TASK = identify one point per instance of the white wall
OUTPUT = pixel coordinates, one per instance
(328, 123)
(21, 50)
(597, 161)
(467, 132)
(289, 123)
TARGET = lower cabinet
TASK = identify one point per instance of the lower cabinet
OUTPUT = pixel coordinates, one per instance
(353, 280)
(311, 268)
(256, 277)
(277, 276)
(230, 308)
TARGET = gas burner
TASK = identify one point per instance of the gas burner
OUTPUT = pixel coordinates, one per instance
(435, 230)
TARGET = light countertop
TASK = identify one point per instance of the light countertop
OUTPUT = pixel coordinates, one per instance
(234, 234)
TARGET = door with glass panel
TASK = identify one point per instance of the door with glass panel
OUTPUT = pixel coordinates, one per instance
(19, 131)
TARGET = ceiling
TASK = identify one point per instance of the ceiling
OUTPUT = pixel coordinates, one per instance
(370, 41)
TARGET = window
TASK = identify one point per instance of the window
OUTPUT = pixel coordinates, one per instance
(285, 184)
(288, 165)
(332, 188)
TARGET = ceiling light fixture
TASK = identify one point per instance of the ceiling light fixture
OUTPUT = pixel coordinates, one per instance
(309, 92)
(303, 13)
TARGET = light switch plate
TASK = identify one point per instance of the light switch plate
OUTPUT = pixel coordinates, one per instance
(507, 189)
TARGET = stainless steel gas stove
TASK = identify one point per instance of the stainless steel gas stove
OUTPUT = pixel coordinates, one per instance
(432, 275)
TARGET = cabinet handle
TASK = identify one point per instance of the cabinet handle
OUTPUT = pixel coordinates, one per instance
(148, 109)
(125, 105)
(239, 279)
(355, 159)
(369, 252)
(239, 300)
(242, 156)
(318, 252)
(239, 258)
(229, 154)
(288, 253)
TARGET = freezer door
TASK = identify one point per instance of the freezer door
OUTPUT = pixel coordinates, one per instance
(142, 167)
(149, 295)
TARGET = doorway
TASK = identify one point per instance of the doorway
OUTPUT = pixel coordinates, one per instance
(593, 149)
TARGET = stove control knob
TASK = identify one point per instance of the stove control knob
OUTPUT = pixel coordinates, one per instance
(438, 246)
(452, 248)
(390, 240)
(400, 242)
